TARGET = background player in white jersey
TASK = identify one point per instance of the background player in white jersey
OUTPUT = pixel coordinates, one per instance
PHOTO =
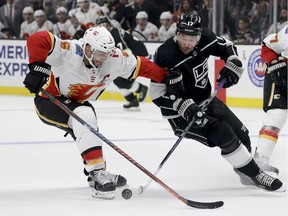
(77, 72)
(26, 28)
(275, 53)
(41, 22)
(145, 30)
(168, 27)
(87, 13)
(61, 28)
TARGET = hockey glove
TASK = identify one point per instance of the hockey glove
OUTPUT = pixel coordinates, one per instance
(189, 111)
(278, 72)
(174, 84)
(37, 77)
(232, 71)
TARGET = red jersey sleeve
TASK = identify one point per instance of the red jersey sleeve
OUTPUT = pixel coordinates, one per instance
(150, 70)
(39, 45)
(268, 54)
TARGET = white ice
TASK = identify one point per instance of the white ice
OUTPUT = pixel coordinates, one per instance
(41, 171)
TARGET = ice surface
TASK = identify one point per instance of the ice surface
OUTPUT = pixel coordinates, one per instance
(41, 171)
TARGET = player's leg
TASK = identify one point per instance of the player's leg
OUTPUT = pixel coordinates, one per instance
(217, 109)
(275, 106)
(219, 133)
(125, 87)
(89, 145)
(128, 88)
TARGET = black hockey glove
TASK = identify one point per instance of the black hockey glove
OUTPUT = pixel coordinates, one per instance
(174, 84)
(231, 71)
(278, 72)
(37, 77)
(190, 111)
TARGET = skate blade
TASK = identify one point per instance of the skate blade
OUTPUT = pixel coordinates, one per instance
(103, 195)
(281, 189)
(133, 109)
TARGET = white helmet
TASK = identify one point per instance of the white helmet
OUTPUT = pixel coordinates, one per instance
(99, 38)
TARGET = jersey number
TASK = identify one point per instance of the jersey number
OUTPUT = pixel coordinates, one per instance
(275, 40)
(65, 45)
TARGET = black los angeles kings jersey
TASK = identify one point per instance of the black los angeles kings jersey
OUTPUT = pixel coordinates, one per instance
(194, 69)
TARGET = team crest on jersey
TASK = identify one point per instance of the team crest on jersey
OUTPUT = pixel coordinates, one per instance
(256, 68)
(201, 74)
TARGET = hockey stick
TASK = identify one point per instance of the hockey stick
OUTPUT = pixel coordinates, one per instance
(203, 107)
(200, 205)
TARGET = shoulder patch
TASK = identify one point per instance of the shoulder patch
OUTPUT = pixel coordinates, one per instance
(79, 50)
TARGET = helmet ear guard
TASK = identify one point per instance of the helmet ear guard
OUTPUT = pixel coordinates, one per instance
(189, 25)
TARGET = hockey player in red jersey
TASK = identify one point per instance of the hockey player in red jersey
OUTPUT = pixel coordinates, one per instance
(275, 53)
(181, 95)
(77, 72)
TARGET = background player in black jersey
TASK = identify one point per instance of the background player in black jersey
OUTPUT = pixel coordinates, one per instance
(186, 54)
(126, 42)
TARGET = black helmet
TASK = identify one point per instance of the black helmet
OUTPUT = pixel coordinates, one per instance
(102, 19)
(189, 25)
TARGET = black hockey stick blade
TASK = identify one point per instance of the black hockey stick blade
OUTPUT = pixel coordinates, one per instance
(205, 205)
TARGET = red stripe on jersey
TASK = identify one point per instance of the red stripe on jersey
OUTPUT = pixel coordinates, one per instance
(39, 45)
(270, 133)
(268, 54)
(94, 154)
(51, 87)
(150, 70)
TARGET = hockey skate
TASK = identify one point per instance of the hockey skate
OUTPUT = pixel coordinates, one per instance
(103, 184)
(262, 180)
(132, 105)
(142, 93)
(263, 163)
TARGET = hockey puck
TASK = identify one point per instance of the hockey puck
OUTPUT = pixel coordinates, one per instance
(126, 193)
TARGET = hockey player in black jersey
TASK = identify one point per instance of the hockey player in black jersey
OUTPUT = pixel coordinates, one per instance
(188, 85)
(126, 42)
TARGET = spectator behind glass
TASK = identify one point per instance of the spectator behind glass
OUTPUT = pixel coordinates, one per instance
(185, 7)
(37, 5)
(245, 35)
(260, 21)
(145, 30)
(41, 22)
(76, 26)
(248, 8)
(7, 33)
(206, 14)
(49, 10)
(281, 24)
(123, 12)
(168, 27)
(229, 22)
(61, 28)
(87, 13)
(151, 9)
(26, 28)
(11, 17)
